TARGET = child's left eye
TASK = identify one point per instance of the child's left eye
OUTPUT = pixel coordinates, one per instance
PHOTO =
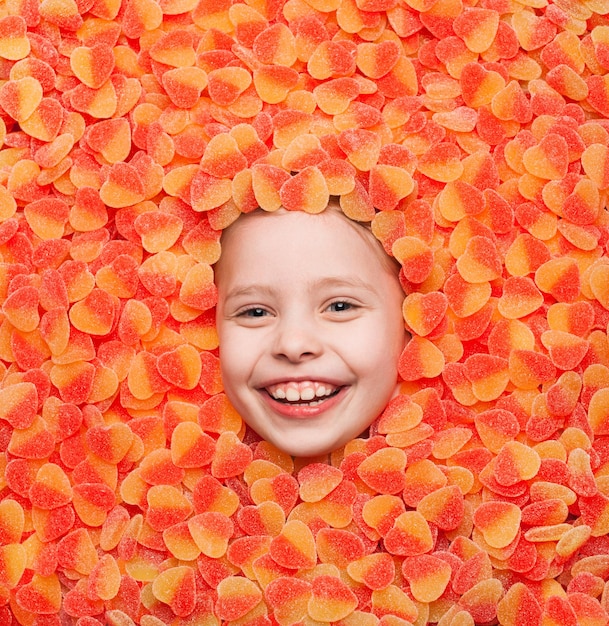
(340, 306)
(253, 312)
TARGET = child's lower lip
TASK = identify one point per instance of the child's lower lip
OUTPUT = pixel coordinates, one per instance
(303, 411)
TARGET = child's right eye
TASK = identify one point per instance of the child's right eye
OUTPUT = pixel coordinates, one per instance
(253, 312)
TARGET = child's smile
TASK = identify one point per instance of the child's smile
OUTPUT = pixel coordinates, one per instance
(304, 398)
(310, 326)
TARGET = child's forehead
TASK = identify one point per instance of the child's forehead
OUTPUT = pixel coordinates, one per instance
(330, 227)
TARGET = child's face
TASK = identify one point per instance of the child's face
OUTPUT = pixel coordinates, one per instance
(311, 329)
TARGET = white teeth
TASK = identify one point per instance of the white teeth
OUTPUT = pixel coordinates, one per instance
(307, 394)
(292, 395)
(305, 391)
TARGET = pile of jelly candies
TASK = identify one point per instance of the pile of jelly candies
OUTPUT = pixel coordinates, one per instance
(474, 137)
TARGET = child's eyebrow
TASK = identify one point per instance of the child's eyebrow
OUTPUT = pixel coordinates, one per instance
(250, 290)
(342, 281)
(353, 282)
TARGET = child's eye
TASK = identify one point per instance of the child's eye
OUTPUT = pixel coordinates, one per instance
(340, 306)
(253, 312)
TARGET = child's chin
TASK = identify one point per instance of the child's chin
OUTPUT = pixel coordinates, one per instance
(306, 450)
(317, 447)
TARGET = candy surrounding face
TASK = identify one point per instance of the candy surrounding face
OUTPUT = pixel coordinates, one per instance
(310, 326)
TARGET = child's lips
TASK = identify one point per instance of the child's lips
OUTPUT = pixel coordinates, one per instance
(301, 391)
(304, 409)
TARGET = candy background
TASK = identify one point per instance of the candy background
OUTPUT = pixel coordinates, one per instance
(474, 137)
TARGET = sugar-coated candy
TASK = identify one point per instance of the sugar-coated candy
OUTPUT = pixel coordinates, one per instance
(289, 597)
(473, 139)
(392, 601)
(331, 599)
(498, 521)
(294, 547)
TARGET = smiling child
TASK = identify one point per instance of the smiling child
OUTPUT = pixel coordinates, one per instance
(310, 323)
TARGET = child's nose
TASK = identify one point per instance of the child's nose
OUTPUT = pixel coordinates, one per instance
(296, 340)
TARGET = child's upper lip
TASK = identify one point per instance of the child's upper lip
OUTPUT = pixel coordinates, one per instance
(301, 379)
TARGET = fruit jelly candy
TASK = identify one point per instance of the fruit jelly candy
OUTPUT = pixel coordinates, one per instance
(261, 468)
(12, 521)
(21, 309)
(528, 369)
(416, 257)
(158, 469)
(422, 478)
(236, 597)
(582, 480)
(519, 605)
(399, 415)
(317, 481)
(176, 587)
(306, 191)
(217, 415)
(357, 204)
(76, 551)
(288, 597)
(381, 511)
(427, 575)
(331, 599)
(495, 427)
(383, 471)
(420, 359)
(480, 261)
(481, 600)
(110, 443)
(410, 535)
(167, 506)
(181, 367)
(376, 60)
(303, 151)
(443, 507)
(51, 488)
(232, 456)
(498, 521)
(267, 518)
(104, 579)
(190, 446)
(18, 404)
(92, 502)
(450, 441)
(516, 462)
(471, 571)
(587, 608)
(466, 298)
(338, 546)
(211, 532)
(393, 601)
(376, 571)
(294, 547)
(488, 374)
(330, 60)
(594, 162)
(143, 379)
(243, 551)
(33, 442)
(42, 595)
(585, 582)
(113, 527)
